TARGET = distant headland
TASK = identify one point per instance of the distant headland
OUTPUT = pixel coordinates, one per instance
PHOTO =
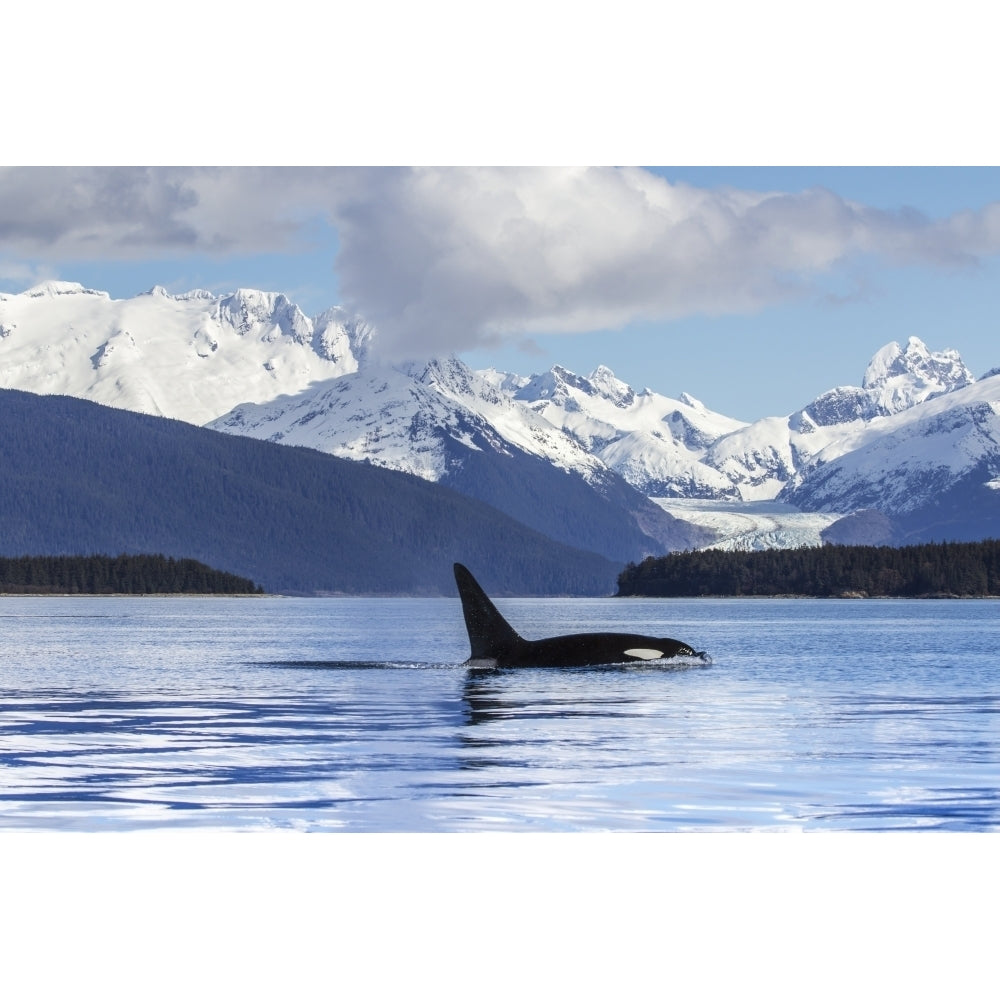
(936, 569)
(123, 574)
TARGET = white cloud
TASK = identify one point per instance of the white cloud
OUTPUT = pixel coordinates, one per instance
(123, 213)
(445, 258)
(20, 273)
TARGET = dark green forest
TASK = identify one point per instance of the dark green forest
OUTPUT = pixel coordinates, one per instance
(123, 574)
(79, 477)
(944, 569)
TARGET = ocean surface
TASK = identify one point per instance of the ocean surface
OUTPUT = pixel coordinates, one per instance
(163, 713)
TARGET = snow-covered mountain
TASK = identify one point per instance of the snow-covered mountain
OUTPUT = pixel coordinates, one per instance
(765, 456)
(193, 356)
(656, 443)
(447, 424)
(197, 357)
(901, 462)
(252, 363)
(404, 418)
(758, 485)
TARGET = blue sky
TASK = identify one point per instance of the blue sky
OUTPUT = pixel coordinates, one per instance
(800, 288)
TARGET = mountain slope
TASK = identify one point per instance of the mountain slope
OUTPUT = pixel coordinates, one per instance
(192, 356)
(763, 457)
(655, 443)
(81, 478)
(578, 458)
(446, 424)
(934, 469)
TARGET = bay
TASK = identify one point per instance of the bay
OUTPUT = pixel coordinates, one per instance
(350, 714)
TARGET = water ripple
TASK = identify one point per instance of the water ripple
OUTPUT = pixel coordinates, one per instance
(281, 714)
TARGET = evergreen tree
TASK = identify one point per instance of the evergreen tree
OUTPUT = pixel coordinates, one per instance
(960, 569)
(123, 574)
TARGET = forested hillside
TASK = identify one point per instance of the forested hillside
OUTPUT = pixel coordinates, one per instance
(960, 569)
(124, 574)
(78, 477)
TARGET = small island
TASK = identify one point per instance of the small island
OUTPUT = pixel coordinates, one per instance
(937, 569)
(123, 574)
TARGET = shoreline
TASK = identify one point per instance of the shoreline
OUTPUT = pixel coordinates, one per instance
(193, 593)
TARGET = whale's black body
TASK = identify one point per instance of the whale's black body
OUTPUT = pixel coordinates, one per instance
(495, 644)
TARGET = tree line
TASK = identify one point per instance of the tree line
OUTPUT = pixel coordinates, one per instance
(951, 569)
(123, 574)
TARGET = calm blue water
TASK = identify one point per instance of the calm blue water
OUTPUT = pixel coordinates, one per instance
(356, 714)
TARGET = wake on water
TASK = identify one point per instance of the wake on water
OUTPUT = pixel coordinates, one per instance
(632, 666)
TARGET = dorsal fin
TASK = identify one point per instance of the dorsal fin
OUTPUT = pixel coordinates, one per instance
(489, 632)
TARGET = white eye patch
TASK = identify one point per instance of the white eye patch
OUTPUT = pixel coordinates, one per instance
(645, 654)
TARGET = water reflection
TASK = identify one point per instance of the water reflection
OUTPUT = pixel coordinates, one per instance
(492, 695)
(531, 727)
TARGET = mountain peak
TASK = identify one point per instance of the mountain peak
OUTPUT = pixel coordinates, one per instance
(247, 308)
(52, 288)
(447, 374)
(929, 373)
(253, 298)
(604, 380)
(896, 379)
(158, 291)
(556, 385)
(62, 338)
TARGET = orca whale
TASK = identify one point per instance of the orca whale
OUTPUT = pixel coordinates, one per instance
(495, 643)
